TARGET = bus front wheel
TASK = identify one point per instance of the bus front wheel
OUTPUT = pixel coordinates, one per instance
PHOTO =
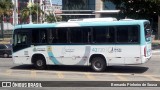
(98, 64)
(40, 63)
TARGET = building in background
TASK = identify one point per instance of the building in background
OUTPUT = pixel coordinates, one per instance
(72, 9)
(57, 9)
(105, 8)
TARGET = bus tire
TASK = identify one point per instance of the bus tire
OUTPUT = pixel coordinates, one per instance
(98, 64)
(40, 63)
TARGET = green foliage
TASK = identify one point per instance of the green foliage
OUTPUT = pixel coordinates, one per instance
(51, 18)
(34, 10)
(5, 8)
(143, 9)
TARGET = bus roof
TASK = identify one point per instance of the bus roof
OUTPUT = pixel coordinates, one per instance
(93, 19)
(81, 24)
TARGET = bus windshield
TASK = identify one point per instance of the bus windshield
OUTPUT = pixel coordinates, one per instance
(147, 29)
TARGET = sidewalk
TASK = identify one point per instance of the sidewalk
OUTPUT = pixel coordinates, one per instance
(155, 46)
(156, 51)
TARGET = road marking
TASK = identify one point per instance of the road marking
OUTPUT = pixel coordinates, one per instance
(152, 78)
(60, 75)
(33, 73)
(8, 72)
(120, 77)
(89, 76)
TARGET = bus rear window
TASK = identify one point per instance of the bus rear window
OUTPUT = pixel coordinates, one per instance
(147, 29)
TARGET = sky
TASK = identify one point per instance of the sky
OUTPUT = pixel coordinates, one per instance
(59, 2)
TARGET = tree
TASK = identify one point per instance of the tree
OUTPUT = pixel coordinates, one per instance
(5, 8)
(144, 9)
(52, 18)
(139, 9)
(35, 11)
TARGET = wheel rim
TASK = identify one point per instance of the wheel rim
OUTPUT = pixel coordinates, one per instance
(5, 55)
(98, 65)
(39, 63)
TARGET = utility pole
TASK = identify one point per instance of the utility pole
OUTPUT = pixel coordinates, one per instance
(37, 10)
(44, 3)
(158, 27)
(41, 7)
(29, 6)
(53, 11)
(15, 12)
(2, 28)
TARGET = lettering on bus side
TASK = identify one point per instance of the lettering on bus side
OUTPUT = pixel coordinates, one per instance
(118, 50)
(109, 50)
(38, 49)
(68, 50)
(98, 49)
(25, 52)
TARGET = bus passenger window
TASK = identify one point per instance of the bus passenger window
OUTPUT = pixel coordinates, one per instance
(39, 36)
(99, 34)
(54, 36)
(21, 38)
(24, 39)
(62, 35)
(59, 35)
(43, 37)
(86, 33)
(128, 34)
(76, 35)
(111, 35)
(122, 34)
(133, 34)
(35, 36)
(103, 34)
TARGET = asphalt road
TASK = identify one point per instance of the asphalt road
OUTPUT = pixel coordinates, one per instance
(149, 71)
(10, 71)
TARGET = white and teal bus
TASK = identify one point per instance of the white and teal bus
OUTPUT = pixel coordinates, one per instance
(97, 44)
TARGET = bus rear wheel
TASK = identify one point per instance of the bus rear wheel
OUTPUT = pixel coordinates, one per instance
(40, 63)
(98, 64)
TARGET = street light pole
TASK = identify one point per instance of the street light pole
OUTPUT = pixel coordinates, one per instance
(44, 10)
(53, 11)
(15, 14)
(30, 16)
(29, 6)
(37, 10)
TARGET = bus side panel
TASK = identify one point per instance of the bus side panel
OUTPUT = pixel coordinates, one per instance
(23, 56)
(51, 54)
(130, 54)
(64, 54)
(75, 54)
(107, 51)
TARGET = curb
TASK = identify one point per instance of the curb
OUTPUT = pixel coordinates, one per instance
(155, 51)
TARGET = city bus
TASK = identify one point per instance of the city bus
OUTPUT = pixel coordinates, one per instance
(96, 44)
